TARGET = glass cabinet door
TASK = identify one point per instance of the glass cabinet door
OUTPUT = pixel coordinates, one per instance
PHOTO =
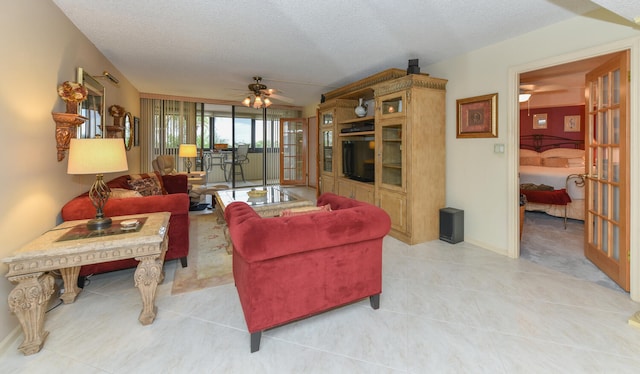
(392, 105)
(326, 141)
(391, 154)
(327, 150)
(327, 119)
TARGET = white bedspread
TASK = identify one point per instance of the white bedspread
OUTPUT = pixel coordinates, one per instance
(555, 177)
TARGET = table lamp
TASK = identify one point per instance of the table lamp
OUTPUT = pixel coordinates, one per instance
(187, 151)
(97, 156)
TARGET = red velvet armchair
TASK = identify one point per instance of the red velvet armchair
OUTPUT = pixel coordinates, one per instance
(288, 268)
(176, 201)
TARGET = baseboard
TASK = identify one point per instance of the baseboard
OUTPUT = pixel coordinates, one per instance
(488, 247)
(634, 320)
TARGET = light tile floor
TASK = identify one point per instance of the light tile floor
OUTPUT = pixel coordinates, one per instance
(444, 309)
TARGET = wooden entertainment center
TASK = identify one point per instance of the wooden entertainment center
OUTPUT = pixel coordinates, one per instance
(405, 129)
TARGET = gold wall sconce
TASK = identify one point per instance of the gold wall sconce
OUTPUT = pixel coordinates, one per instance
(66, 123)
(66, 129)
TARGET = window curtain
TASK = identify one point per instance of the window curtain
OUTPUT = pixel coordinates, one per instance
(165, 124)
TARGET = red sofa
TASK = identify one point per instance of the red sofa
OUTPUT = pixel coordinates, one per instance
(176, 201)
(288, 268)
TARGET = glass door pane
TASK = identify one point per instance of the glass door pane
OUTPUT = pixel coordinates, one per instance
(327, 150)
(293, 152)
(392, 155)
(606, 228)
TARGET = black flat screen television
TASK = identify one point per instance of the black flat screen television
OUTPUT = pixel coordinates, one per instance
(358, 155)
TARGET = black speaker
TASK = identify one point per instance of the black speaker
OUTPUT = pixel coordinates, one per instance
(452, 225)
(413, 67)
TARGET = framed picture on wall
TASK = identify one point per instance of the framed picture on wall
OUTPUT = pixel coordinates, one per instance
(477, 117)
(571, 123)
(540, 121)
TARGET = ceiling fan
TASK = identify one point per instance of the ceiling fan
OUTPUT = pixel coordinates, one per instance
(526, 90)
(260, 95)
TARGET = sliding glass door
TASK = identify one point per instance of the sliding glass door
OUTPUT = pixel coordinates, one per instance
(225, 132)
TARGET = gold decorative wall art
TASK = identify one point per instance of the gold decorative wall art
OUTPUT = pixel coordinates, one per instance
(477, 117)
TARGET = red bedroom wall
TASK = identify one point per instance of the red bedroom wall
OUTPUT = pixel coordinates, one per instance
(555, 121)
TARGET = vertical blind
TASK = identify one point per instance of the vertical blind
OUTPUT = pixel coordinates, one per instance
(166, 124)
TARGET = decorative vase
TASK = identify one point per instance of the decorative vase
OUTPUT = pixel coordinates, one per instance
(361, 109)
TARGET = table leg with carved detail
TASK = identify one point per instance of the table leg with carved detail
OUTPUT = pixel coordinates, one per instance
(71, 289)
(148, 275)
(28, 301)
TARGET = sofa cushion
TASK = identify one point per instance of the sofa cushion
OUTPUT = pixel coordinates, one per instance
(119, 182)
(146, 184)
(305, 210)
(123, 193)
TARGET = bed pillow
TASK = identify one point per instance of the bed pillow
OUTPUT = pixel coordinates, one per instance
(528, 153)
(555, 162)
(563, 152)
(530, 161)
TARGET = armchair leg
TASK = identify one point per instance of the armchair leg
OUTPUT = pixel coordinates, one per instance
(375, 301)
(183, 261)
(255, 341)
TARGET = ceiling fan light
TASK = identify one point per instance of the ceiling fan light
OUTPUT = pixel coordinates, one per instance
(267, 102)
(247, 101)
(524, 97)
(258, 103)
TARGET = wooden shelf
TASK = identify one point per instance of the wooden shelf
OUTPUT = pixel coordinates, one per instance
(359, 133)
(358, 120)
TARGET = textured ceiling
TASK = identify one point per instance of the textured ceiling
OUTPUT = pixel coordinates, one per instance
(212, 49)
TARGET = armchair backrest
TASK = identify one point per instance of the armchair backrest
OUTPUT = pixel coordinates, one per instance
(164, 164)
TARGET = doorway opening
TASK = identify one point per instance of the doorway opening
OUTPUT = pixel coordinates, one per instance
(552, 124)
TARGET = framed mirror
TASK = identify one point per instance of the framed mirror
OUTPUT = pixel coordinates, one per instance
(92, 108)
(128, 131)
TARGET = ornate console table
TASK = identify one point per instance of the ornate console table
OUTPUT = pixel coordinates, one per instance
(69, 246)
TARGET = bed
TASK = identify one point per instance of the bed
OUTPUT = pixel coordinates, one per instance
(551, 175)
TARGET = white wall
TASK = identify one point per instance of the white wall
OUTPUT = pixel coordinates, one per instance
(478, 179)
(41, 48)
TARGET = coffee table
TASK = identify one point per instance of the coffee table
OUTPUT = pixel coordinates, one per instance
(272, 204)
(69, 246)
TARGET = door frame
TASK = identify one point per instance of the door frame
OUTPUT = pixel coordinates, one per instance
(513, 141)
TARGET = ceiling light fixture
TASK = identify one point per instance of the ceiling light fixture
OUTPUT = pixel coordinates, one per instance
(259, 97)
(257, 101)
(524, 97)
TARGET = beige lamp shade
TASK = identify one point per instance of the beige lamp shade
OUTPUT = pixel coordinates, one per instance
(188, 150)
(96, 156)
